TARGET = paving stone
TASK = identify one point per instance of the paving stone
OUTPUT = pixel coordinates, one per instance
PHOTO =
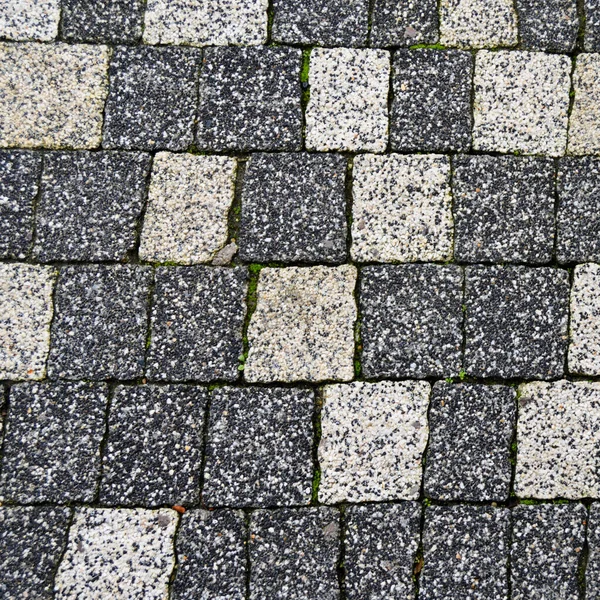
(52, 442)
(90, 205)
(250, 99)
(303, 326)
(197, 320)
(402, 208)
(99, 327)
(348, 107)
(29, 20)
(584, 122)
(206, 23)
(431, 106)
(381, 544)
(372, 441)
(118, 553)
(52, 95)
(32, 539)
(19, 177)
(151, 104)
(321, 22)
(404, 22)
(549, 25)
(294, 553)
(154, 447)
(503, 209)
(110, 21)
(188, 205)
(465, 552)
(592, 25)
(558, 432)
(212, 556)
(516, 321)
(547, 550)
(294, 208)
(259, 448)
(411, 320)
(26, 312)
(592, 572)
(471, 429)
(521, 102)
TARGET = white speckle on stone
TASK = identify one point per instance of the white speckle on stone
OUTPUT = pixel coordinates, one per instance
(584, 125)
(402, 208)
(23, 20)
(372, 442)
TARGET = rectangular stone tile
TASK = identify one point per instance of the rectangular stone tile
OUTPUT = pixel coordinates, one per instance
(584, 121)
(404, 22)
(592, 25)
(23, 20)
(548, 25)
(592, 572)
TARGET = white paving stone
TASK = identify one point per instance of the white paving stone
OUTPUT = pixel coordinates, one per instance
(584, 125)
(188, 204)
(23, 20)
(348, 107)
(402, 208)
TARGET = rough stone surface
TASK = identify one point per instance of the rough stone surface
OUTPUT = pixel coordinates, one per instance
(373, 436)
(592, 573)
(188, 205)
(23, 20)
(259, 448)
(584, 122)
(348, 107)
(550, 25)
(303, 326)
(294, 209)
(592, 25)
(404, 22)
(521, 102)
(411, 320)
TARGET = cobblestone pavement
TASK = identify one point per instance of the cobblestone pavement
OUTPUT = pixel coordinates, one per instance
(300, 299)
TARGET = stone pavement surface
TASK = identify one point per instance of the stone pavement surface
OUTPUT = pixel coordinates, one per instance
(300, 299)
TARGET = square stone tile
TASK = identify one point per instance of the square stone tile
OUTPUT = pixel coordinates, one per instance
(521, 102)
(90, 205)
(23, 20)
(188, 206)
(212, 556)
(118, 553)
(431, 106)
(52, 442)
(259, 448)
(197, 319)
(348, 107)
(52, 96)
(411, 320)
(19, 185)
(32, 539)
(503, 209)
(373, 436)
(381, 542)
(558, 433)
(303, 326)
(25, 316)
(250, 99)
(153, 451)
(471, 430)
(404, 22)
(549, 25)
(402, 208)
(584, 122)
(99, 327)
(294, 554)
(516, 321)
(152, 100)
(592, 572)
(294, 208)
(592, 25)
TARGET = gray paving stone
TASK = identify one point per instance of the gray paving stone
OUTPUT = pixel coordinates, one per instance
(547, 550)
(250, 99)
(431, 107)
(99, 327)
(592, 25)
(212, 556)
(32, 539)
(503, 209)
(321, 22)
(516, 321)
(19, 177)
(592, 572)
(259, 448)
(197, 319)
(153, 451)
(90, 205)
(30, 20)
(465, 552)
(584, 121)
(404, 22)
(152, 100)
(411, 320)
(549, 25)
(381, 543)
(294, 209)
(52, 442)
(294, 553)
(471, 429)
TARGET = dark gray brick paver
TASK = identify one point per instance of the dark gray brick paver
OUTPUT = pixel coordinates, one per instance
(404, 22)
